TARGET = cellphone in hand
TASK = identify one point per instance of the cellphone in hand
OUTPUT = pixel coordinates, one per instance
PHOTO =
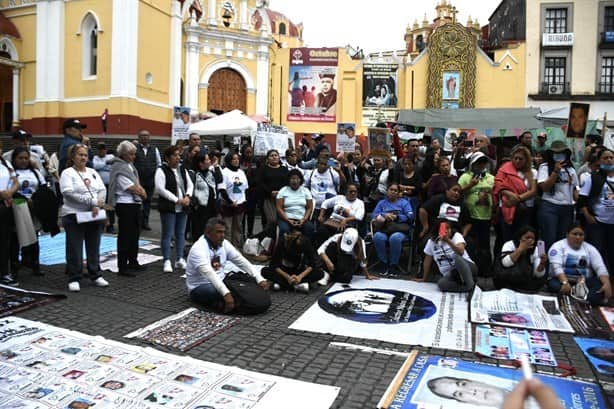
(442, 230)
(541, 247)
(332, 162)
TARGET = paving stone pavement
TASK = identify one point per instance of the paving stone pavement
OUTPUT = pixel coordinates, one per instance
(261, 343)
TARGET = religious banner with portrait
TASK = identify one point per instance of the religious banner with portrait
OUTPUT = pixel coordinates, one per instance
(429, 381)
(399, 311)
(513, 309)
(312, 84)
(379, 93)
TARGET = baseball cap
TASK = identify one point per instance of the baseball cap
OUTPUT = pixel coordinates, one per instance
(476, 156)
(316, 136)
(21, 134)
(349, 239)
(74, 123)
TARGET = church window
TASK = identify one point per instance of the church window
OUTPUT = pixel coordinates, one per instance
(89, 35)
(282, 28)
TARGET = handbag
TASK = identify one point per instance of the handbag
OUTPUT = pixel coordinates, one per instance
(250, 298)
(26, 234)
(332, 223)
(519, 272)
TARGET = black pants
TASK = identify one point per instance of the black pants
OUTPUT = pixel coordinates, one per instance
(110, 213)
(6, 229)
(198, 220)
(270, 274)
(129, 216)
(29, 255)
(76, 234)
(346, 266)
(147, 204)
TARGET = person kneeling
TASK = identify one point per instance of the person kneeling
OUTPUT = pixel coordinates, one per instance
(521, 265)
(293, 264)
(344, 255)
(205, 273)
(455, 265)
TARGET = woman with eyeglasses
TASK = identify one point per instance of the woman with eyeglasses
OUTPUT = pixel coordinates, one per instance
(174, 187)
(340, 212)
(83, 192)
(573, 260)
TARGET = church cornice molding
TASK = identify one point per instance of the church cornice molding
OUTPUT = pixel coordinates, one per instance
(222, 35)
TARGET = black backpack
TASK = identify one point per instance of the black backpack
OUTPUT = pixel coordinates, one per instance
(250, 298)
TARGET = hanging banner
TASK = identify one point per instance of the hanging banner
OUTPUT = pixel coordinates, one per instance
(379, 93)
(181, 124)
(271, 137)
(441, 382)
(312, 85)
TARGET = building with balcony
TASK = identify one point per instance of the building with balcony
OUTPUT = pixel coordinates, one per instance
(570, 54)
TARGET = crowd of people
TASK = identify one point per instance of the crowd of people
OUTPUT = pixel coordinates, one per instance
(329, 217)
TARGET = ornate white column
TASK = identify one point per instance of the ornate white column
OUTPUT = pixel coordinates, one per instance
(192, 48)
(124, 43)
(15, 97)
(50, 50)
(212, 17)
(262, 80)
(175, 56)
(243, 17)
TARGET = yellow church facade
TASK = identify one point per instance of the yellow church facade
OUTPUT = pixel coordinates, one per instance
(138, 59)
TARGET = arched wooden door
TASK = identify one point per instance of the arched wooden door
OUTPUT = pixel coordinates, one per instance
(227, 91)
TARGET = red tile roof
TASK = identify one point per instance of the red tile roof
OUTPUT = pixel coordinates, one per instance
(7, 27)
(274, 16)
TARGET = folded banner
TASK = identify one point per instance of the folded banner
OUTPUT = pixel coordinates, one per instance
(439, 382)
(509, 308)
(42, 366)
(399, 311)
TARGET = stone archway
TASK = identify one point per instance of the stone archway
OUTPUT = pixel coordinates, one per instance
(226, 91)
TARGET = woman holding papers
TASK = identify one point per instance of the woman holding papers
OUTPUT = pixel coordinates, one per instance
(126, 194)
(83, 217)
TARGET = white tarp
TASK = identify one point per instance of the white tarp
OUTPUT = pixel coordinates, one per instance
(507, 307)
(399, 311)
(42, 366)
(230, 123)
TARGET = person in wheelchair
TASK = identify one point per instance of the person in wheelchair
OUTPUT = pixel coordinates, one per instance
(391, 221)
(447, 249)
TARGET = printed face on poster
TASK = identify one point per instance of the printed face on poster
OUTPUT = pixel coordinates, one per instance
(379, 93)
(181, 123)
(312, 84)
(346, 137)
(379, 140)
(599, 352)
(451, 85)
(578, 119)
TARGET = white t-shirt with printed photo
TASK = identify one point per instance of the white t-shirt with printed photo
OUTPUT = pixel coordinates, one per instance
(443, 254)
(566, 184)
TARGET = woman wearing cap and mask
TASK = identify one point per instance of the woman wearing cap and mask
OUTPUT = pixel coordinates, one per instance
(344, 255)
(478, 185)
(596, 203)
(293, 264)
(559, 182)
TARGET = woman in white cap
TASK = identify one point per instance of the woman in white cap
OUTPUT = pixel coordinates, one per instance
(344, 255)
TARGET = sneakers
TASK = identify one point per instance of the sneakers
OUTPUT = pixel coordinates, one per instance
(325, 280)
(180, 264)
(9, 280)
(302, 288)
(394, 271)
(100, 282)
(74, 286)
(168, 267)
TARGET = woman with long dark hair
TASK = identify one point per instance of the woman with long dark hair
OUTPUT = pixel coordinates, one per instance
(250, 168)
(272, 176)
(234, 199)
(205, 193)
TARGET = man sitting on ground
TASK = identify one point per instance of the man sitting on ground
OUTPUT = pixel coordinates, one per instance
(205, 268)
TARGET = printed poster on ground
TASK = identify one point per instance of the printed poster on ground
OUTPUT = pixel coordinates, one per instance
(439, 382)
(379, 93)
(399, 311)
(511, 343)
(599, 352)
(512, 309)
(312, 85)
(181, 124)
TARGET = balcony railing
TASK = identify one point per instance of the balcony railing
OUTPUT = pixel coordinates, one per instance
(606, 87)
(554, 89)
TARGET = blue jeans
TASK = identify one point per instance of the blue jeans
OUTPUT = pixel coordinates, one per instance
(594, 284)
(208, 296)
(554, 220)
(173, 225)
(395, 241)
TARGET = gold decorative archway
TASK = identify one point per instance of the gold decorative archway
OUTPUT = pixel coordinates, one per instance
(452, 48)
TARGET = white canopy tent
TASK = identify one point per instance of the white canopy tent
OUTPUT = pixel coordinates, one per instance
(230, 123)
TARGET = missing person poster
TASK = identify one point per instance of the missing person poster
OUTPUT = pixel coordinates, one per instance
(379, 141)
(512, 309)
(379, 93)
(399, 311)
(269, 137)
(346, 137)
(578, 120)
(181, 124)
(440, 382)
(599, 352)
(312, 84)
(511, 343)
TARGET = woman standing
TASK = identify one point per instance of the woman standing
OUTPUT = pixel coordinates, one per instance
(250, 167)
(29, 179)
(102, 164)
(84, 193)
(126, 195)
(272, 178)
(441, 180)
(8, 187)
(409, 181)
(174, 188)
(205, 193)
(234, 198)
(558, 181)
